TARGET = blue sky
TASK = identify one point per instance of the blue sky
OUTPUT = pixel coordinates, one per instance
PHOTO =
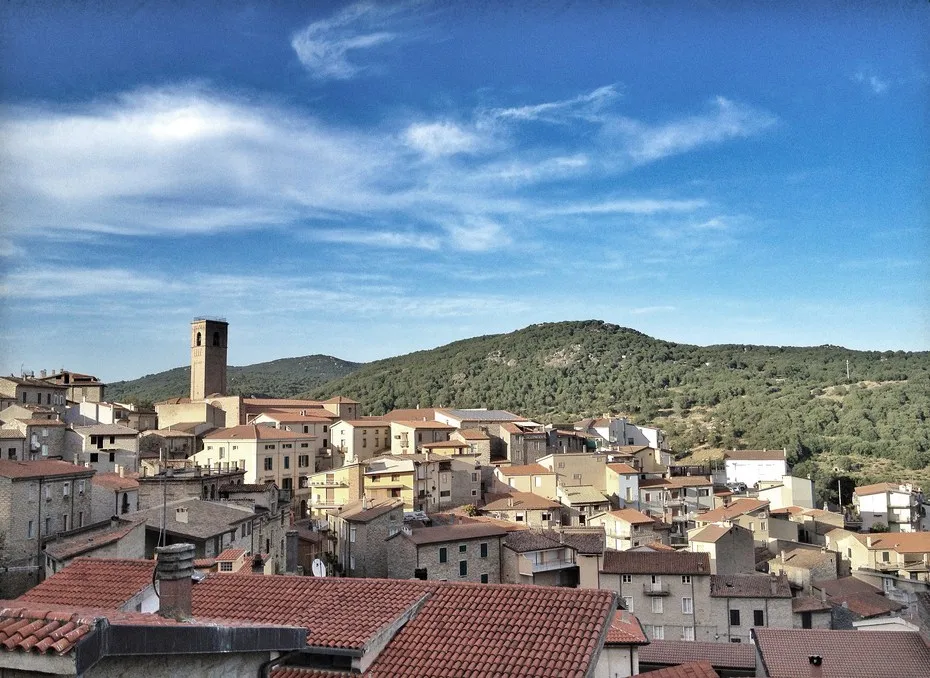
(364, 180)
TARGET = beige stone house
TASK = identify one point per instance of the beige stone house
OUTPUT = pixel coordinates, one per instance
(44, 437)
(753, 514)
(361, 439)
(538, 557)
(12, 444)
(580, 503)
(81, 387)
(28, 390)
(804, 566)
(407, 436)
(38, 499)
(457, 552)
(104, 446)
(478, 441)
(533, 478)
(526, 509)
(628, 528)
(114, 494)
(731, 548)
(316, 422)
(361, 529)
(331, 490)
(578, 468)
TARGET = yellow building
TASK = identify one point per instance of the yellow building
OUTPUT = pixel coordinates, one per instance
(330, 490)
(361, 439)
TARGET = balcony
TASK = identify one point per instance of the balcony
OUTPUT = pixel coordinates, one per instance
(655, 589)
(528, 567)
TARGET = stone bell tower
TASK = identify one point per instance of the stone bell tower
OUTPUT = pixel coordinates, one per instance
(208, 357)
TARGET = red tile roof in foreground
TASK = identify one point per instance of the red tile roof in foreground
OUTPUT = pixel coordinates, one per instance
(655, 562)
(699, 669)
(94, 582)
(625, 629)
(720, 655)
(877, 654)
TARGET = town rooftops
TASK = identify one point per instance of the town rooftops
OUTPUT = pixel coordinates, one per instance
(803, 557)
(340, 400)
(655, 562)
(525, 470)
(42, 422)
(41, 468)
(720, 655)
(710, 534)
(88, 539)
(114, 481)
(106, 430)
(455, 532)
(755, 455)
(445, 444)
(521, 501)
(749, 586)
(254, 432)
(623, 469)
(809, 604)
(738, 508)
(582, 494)
(878, 654)
(585, 542)
(94, 582)
(167, 433)
(632, 516)
(363, 511)
(284, 416)
(366, 423)
(881, 488)
(11, 434)
(231, 554)
(525, 541)
(472, 434)
(674, 482)
(481, 414)
(27, 381)
(503, 630)
(205, 519)
(434, 425)
(859, 597)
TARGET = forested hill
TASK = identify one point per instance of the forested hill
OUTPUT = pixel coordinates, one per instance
(716, 396)
(284, 378)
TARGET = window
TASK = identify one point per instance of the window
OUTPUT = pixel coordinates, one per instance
(736, 640)
(657, 604)
(463, 568)
(758, 618)
(268, 465)
(686, 579)
(626, 578)
(484, 579)
(112, 456)
(269, 447)
(47, 492)
(656, 579)
(81, 487)
(519, 517)
(80, 519)
(303, 460)
(222, 452)
(474, 477)
(31, 530)
(94, 457)
(66, 489)
(287, 462)
(484, 550)
(628, 603)
(445, 493)
(687, 633)
(305, 444)
(364, 442)
(48, 525)
(351, 562)
(443, 554)
(647, 497)
(226, 566)
(474, 493)
(463, 548)
(198, 339)
(325, 428)
(886, 556)
(216, 338)
(306, 429)
(45, 433)
(352, 534)
(537, 481)
(287, 484)
(687, 605)
(658, 633)
(545, 517)
(734, 617)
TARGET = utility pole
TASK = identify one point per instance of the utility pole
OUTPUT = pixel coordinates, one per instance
(847, 369)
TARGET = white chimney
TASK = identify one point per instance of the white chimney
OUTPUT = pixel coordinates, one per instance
(180, 514)
(868, 541)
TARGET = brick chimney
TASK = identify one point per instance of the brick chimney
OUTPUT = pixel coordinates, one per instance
(174, 566)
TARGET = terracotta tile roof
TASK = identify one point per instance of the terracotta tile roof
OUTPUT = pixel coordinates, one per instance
(88, 540)
(902, 542)
(42, 422)
(787, 510)
(114, 481)
(94, 582)
(623, 469)
(738, 508)
(205, 519)
(281, 402)
(879, 488)
(11, 434)
(445, 444)
(625, 629)
(845, 586)
(27, 381)
(877, 654)
(481, 414)
(521, 501)
(167, 433)
(694, 669)
(317, 415)
(356, 511)
(632, 516)
(524, 541)
(755, 455)
(689, 481)
(340, 400)
(655, 562)
(710, 534)
(809, 604)
(411, 414)
(254, 432)
(657, 546)
(583, 494)
(720, 655)
(41, 631)
(231, 554)
(653, 482)
(749, 586)
(456, 532)
(804, 558)
(436, 425)
(472, 434)
(366, 423)
(525, 470)
(498, 630)
(41, 468)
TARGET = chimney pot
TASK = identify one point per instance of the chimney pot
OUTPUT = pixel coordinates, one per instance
(181, 515)
(174, 566)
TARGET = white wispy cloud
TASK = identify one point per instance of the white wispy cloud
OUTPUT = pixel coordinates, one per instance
(638, 206)
(724, 121)
(876, 84)
(441, 138)
(324, 47)
(648, 310)
(384, 239)
(55, 283)
(584, 106)
(478, 234)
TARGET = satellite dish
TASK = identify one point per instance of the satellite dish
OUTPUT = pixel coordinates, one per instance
(318, 568)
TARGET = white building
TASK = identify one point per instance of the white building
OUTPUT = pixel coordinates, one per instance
(899, 506)
(619, 431)
(753, 466)
(789, 491)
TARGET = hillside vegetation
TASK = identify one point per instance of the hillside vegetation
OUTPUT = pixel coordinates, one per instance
(871, 426)
(282, 378)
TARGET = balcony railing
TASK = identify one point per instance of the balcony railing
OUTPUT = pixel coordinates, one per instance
(655, 589)
(529, 567)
